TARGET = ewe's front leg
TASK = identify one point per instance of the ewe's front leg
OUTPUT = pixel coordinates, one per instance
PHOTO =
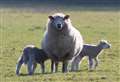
(90, 63)
(42, 67)
(64, 67)
(54, 66)
(19, 64)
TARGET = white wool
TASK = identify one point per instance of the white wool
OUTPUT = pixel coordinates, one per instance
(30, 45)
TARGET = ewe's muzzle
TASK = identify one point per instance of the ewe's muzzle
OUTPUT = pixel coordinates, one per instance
(59, 26)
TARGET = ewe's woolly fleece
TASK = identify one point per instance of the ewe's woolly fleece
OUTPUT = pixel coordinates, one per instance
(65, 45)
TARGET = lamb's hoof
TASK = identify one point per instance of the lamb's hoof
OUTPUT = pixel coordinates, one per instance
(17, 73)
(73, 70)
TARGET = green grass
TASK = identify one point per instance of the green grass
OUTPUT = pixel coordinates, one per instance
(21, 27)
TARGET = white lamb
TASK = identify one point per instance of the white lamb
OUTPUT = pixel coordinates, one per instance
(92, 51)
(31, 56)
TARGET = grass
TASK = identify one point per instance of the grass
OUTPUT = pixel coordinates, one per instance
(21, 27)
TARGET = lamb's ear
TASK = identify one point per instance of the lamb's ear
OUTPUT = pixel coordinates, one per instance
(66, 17)
(51, 17)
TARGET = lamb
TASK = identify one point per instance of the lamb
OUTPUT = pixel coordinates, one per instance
(31, 55)
(62, 42)
(92, 51)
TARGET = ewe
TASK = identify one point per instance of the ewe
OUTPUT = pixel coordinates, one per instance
(62, 42)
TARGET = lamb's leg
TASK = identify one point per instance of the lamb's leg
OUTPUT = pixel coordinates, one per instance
(96, 62)
(30, 66)
(90, 63)
(34, 67)
(75, 63)
(42, 67)
(64, 67)
(19, 64)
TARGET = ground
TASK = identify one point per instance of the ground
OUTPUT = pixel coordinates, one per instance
(19, 27)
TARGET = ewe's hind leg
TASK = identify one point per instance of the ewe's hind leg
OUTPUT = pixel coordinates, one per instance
(52, 66)
(18, 66)
(64, 67)
(90, 63)
(75, 63)
(42, 67)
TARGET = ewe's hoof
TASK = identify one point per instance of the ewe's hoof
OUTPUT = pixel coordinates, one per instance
(30, 74)
(65, 71)
(90, 70)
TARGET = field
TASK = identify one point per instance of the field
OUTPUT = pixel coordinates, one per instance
(19, 27)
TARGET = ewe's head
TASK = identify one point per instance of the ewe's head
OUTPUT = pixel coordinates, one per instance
(58, 21)
(104, 44)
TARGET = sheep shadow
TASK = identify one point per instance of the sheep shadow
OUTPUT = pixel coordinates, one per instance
(35, 74)
(85, 70)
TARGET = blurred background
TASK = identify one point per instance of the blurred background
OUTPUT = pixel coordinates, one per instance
(82, 3)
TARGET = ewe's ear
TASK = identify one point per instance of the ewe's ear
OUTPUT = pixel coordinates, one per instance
(51, 17)
(66, 17)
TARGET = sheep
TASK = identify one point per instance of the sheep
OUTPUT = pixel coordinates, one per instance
(61, 41)
(92, 51)
(31, 55)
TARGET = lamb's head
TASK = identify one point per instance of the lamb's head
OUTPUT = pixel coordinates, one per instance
(104, 44)
(58, 21)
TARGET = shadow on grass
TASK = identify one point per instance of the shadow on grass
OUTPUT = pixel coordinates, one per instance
(95, 70)
(83, 70)
(35, 74)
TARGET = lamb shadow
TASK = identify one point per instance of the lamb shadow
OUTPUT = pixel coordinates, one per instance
(103, 70)
(35, 74)
(82, 70)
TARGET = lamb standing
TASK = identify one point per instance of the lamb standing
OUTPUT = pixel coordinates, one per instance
(62, 42)
(92, 51)
(31, 56)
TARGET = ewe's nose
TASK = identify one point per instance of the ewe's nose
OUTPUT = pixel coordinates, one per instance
(59, 26)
